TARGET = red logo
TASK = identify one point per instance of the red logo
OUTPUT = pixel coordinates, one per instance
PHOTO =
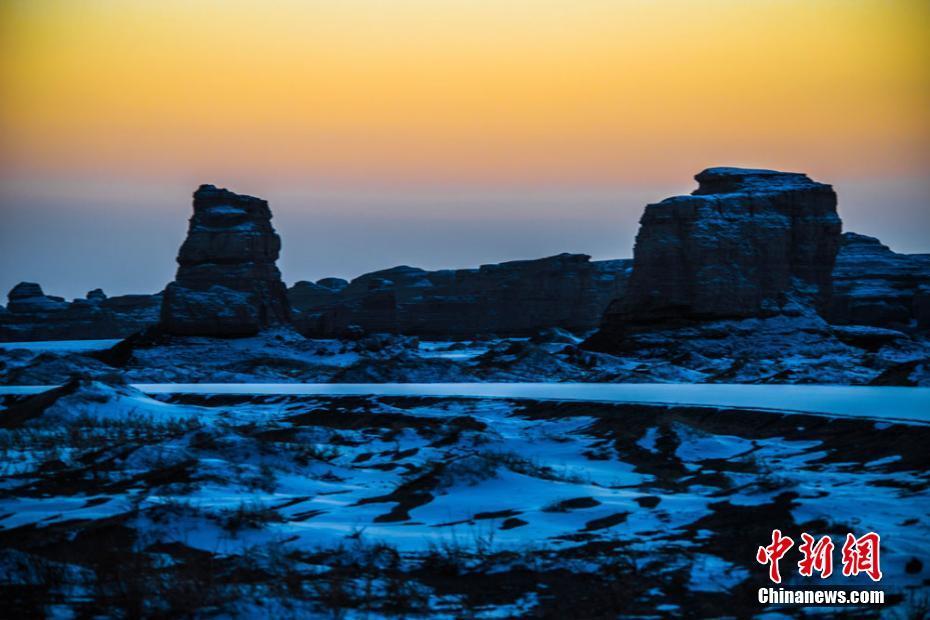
(773, 553)
(817, 557)
(860, 555)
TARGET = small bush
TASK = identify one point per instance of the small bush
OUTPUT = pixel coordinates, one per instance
(249, 516)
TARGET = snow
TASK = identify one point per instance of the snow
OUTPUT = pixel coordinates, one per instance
(695, 447)
(805, 352)
(449, 350)
(60, 346)
(910, 404)
(711, 574)
(227, 210)
(511, 457)
(105, 402)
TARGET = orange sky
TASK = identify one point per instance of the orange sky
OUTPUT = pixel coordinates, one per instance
(438, 133)
(488, 91)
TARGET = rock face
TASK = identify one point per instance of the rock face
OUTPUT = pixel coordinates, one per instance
(227, 283)
(33, 315)
(28, 297)
(514, 298)
(874, 286)
(746, 243)
(748, 251)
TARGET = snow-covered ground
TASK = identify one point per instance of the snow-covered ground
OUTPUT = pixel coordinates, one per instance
(795, 356)
(60, 346)
(897, 403)
(458, 500)
(888, 403)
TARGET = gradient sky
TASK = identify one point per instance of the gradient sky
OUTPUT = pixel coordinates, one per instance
(438, 133)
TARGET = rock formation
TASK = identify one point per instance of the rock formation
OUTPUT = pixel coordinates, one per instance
(309, 296)
(28, 297)
(33, 315)
(754, 247)
(227, 283)
(514, 298)
(874, 286)
(746, 243)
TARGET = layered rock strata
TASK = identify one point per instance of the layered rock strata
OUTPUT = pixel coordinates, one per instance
(513, 298)
(746, 243)
(32, 315)
(874, 286)
(227, 283)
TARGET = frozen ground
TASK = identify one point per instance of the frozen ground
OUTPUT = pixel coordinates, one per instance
(885, 358)
(448, 501)
(887, 403)
(59, 346)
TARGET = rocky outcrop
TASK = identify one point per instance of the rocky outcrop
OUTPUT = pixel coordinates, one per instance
(28, 297)
(227, 283)
(747, 243)
(748, 247)
(874, 286)
(309, 296)
(32, 315)
(515, 298)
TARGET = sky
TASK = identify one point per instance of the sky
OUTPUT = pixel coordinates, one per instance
(437, 133)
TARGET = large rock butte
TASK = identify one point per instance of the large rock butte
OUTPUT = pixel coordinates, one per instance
(227, 283)
(514, 298)
(746, 243)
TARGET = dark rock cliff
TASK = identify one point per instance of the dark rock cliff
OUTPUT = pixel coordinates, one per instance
(874, 286)
(746, 243)
(227, 283)
(514, 298)
(33, 315)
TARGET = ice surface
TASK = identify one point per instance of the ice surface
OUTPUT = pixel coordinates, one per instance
(60, 346)
(892, 403)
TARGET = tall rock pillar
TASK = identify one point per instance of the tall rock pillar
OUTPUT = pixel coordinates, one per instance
(227, 283)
